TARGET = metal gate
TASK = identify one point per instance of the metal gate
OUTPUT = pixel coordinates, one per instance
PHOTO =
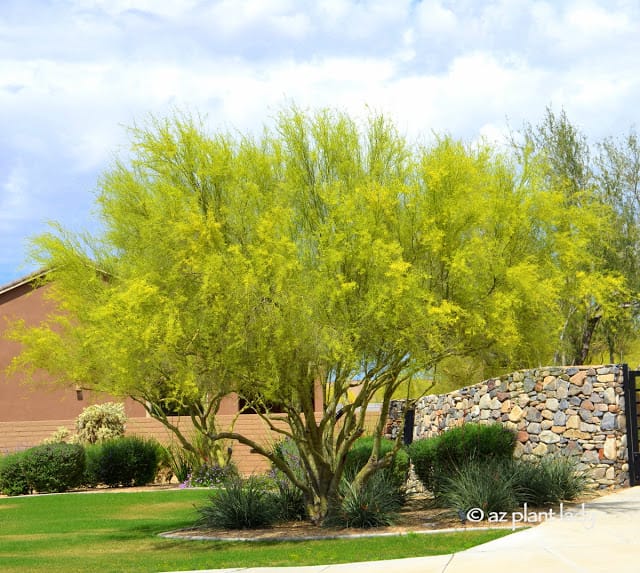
(632, 413)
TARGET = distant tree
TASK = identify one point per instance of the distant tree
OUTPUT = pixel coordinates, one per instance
(593, 292)
(618, 179)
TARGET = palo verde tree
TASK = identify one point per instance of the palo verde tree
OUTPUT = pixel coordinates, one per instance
(323, 257)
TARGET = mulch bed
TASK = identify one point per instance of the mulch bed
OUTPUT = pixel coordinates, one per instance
(418, 515)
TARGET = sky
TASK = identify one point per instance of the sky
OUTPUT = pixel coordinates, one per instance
(75, 73)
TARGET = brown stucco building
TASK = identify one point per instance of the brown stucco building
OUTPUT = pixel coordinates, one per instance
(26, 300)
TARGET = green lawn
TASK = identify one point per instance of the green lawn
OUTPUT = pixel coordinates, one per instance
(117, 532)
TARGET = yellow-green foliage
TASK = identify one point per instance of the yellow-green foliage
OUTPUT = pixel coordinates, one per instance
(61, 435)
(324, 251)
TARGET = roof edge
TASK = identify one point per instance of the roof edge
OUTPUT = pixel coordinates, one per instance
(24, 281)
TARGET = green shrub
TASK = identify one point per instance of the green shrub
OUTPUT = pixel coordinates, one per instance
(475, 441)
(395, 475)
(54, 467)
(287, 450)
(178, 461)
(101, 422)
(373, 505)
(241, 504)
(490, 485)
(290, 499)
(441, 456)
(502, 484)
(12, 478)
(122, 462)
(47, 468)
(210, 475)
(423, 455)
(549, 480)
(206, 453)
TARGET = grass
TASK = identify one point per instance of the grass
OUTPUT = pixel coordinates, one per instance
(117, 532)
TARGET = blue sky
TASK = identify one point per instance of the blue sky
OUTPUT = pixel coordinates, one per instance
(74, 73)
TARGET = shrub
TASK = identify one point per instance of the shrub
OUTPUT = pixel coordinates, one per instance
(443, 455)
(178, 461)
(101, 422)
(287, 450)
(12, 478)
(549, 480)
(423, 455)
(54, 467)
(369, 506)
(289, 499)
(395, 475)
(206, 453)
(241, 504)
(474, 441)
(122, 462)
(61, 435)
(490, 485)
(211, 475)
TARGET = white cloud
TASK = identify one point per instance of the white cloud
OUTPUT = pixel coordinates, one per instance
(73, 73)
(593, 21)
(164, 8)
(584, 30)
(433, 18)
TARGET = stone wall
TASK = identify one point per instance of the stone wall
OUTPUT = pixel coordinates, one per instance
(574, 411)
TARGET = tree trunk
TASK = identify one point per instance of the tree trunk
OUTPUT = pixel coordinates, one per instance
(587, 335)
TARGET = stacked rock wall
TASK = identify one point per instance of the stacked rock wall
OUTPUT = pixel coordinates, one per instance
(574, 411)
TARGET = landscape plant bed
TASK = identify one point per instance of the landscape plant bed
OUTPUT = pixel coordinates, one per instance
(417, 516)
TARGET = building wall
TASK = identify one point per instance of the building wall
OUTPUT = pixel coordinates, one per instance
(40, 399)
(572, 411)
(22, 435)
(25, 434)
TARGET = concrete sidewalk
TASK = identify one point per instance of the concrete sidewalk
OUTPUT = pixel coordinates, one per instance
(604, 537)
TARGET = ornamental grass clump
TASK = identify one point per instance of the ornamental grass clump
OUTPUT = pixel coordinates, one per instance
(375, 504)
(549, 480)
(501, 485)
(489, 485)
(179, 463)
(240, 504)
(290, 499)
